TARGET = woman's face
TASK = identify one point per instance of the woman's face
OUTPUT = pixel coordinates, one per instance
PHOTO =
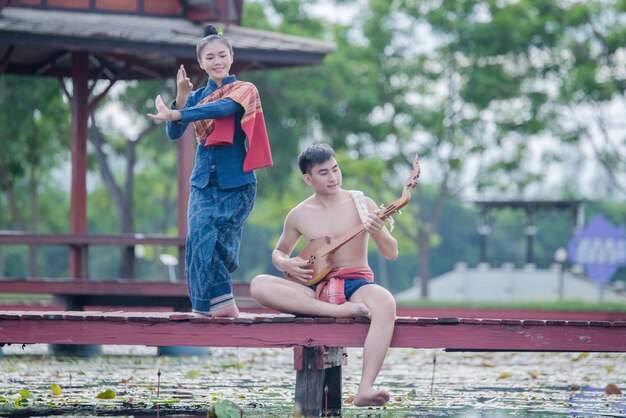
(216, 60)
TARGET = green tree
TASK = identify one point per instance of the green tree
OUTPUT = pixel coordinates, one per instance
(472, 95)
(591, 78)
(290, 96)
(34, 141)
(116, 145)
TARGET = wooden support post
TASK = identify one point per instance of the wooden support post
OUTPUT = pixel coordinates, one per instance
(78, 194)
(318, 379)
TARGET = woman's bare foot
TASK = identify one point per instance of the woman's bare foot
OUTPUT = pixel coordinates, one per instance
(371, 397)
(229, 311)
(355, 309)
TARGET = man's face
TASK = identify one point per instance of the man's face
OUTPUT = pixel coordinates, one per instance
(325, 178)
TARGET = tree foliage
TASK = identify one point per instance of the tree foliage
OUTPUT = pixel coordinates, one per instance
(501, 99)
(35, 122)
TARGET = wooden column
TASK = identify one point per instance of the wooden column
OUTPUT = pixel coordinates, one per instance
(318, 380)
(78, 199)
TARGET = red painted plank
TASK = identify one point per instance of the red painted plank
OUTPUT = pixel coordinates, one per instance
(73, 4)
(154, 309)
(32, 315)
(490, 321)
(74, 316)
(510, 314)
(406, 320)
(600, 323)
(162, 7)
(298, 358)
(153, 330)
(471, 321)
(109, 287)
(533, 322)
(511, 322)
(19, 237)
(578, 323)
(283, 317)
(117, 5)
(78, 287)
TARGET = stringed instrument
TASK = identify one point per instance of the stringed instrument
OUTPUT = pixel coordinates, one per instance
(319, 251)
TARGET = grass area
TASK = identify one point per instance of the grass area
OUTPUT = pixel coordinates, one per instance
(566, 305)
(7, 298)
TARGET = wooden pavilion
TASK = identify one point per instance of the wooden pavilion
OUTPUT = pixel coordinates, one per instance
(114, 40)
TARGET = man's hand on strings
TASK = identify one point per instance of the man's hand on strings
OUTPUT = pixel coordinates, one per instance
(298, 268)
(373, 224)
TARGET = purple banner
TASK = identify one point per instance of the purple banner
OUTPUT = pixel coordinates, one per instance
(600, 247)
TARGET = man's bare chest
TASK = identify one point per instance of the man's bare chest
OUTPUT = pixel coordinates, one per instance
(319, 223)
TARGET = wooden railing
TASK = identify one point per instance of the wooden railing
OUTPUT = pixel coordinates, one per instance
(79, 245)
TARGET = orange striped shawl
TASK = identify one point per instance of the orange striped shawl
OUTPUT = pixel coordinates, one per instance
(331, 288)
(220, 132)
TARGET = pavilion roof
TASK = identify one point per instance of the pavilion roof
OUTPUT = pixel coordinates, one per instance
(39, 42)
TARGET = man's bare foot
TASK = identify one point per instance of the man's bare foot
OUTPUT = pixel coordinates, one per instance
(355, 309)
(371, 397)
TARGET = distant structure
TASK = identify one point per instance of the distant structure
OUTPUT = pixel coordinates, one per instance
(485, 283)
(575, 209)
(507, 284)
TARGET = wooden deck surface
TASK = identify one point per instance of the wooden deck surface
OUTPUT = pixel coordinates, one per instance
(281, 330)
(125, 289)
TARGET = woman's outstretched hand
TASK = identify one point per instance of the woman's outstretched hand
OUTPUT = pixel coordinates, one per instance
(164, 113)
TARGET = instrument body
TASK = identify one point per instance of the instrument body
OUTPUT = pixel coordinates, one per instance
(319, 251)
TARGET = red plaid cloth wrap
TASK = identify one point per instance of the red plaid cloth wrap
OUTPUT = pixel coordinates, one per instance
(331, 288)
(220, 132)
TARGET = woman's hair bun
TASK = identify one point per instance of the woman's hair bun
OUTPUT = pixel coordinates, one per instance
(211, 33)
(210, 30)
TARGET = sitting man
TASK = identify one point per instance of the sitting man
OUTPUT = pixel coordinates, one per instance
(331, 212)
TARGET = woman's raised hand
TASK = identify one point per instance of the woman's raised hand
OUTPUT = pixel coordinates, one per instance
(183, 83)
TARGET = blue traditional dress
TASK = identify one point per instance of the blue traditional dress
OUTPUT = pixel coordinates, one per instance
(221, 198)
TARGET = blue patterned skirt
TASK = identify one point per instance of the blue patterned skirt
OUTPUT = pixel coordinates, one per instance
(215, 224)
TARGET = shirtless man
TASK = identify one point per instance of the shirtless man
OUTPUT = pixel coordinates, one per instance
(331, 212)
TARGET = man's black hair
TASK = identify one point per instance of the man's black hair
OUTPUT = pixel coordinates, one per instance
(314, 154)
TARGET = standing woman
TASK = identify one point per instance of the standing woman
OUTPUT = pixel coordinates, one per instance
(232, 143)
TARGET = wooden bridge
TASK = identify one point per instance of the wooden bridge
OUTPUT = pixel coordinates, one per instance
(318, 342)
(281, 330)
